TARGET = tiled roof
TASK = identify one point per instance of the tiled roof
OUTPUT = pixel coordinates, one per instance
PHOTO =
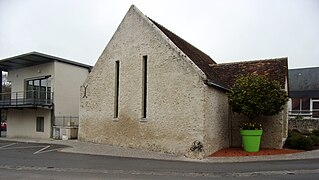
(227, 73)
(304, 79)
(304, 82)
(224, 75)
(201, 59)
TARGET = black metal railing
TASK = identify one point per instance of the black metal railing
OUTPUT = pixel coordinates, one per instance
(303, 114)
(26, 98)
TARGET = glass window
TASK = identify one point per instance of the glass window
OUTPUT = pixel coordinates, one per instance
(48, 89)
(117, 86)
(43, 89)
(29, 89)
(305, 104)
(29, 85)
(40, 124)
(144, 79)
(38, 90)
(315, 109)
(296, 104)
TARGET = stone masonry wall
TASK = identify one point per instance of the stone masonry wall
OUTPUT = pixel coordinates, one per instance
(216, 121)
(304, 124)
(175, 93)
(274, 130)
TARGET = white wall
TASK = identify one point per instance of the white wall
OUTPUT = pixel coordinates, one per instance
(67, 81)
(18, 76)
(22, 123)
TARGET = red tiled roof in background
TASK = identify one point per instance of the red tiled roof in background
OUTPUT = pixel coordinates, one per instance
(227, 73)
(224, 75)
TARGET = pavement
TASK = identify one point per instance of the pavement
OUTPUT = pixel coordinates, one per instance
(75, 146)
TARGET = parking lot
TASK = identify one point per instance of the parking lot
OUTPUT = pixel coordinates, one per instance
(30, 148)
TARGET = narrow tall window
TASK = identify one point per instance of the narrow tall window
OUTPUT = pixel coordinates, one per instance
(40, 124)
(144, 86)
(117, 86)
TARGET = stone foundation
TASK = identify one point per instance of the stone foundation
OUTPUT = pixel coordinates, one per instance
(305, 124)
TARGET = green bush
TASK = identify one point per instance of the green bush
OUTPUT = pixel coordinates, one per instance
(293, 132)
(316, 132)
(315, 139)
(298, 141)
(304, 140)
(305, 132)
(299, 117)
(254, 95)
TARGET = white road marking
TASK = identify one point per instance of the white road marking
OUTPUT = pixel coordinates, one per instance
(8, 145)
(50, 150)
(42, 150)
(25, 147)
(46, 147)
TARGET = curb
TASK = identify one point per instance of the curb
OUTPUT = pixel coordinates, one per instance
(75, 146)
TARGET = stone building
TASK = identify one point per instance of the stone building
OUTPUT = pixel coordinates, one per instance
(150, 89)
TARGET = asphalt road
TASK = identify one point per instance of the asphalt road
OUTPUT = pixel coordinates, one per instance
(44, 161)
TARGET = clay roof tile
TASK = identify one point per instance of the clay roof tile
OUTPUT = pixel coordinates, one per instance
(224, 75)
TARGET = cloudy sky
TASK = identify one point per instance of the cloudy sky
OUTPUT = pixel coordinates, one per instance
(226, 30)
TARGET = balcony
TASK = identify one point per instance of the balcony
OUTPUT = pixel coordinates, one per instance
(26, 99)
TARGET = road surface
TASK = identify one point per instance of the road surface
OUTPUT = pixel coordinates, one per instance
(44, 161)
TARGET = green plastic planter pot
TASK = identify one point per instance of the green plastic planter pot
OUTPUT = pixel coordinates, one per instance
(251, 139)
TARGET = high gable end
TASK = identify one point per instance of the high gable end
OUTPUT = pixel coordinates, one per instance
(201, 59)
(141, 86)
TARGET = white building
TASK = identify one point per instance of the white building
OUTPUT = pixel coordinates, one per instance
(304, 93)
(45, 92)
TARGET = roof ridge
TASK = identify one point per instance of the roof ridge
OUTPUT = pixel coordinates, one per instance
(159, 25)
(226, 74)
(45, 56)
(304, 68)
(250, 61)
(200, 59)
(214, 74)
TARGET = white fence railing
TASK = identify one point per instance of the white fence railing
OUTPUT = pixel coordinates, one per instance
(66, 121)
(303, 114)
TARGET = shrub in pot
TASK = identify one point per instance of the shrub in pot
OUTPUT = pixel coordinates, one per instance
(253, 96)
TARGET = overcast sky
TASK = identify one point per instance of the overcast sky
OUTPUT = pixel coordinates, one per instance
(227, 31)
